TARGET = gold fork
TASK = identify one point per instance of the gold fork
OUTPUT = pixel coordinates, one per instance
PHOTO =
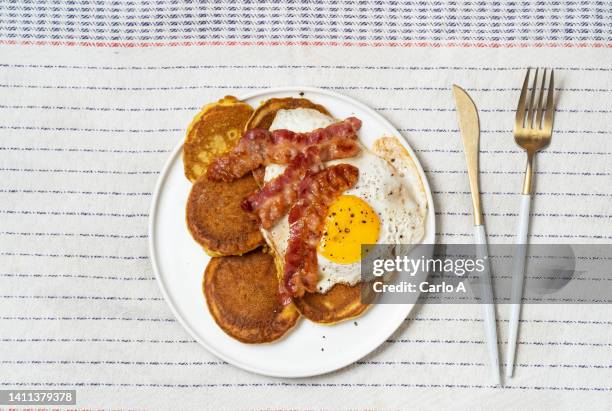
(532, 132)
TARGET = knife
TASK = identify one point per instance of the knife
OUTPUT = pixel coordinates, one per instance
(469, 129)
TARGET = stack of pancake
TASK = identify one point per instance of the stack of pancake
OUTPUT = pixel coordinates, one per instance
(241, 282)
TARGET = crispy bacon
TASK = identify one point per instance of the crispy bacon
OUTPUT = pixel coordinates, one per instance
(316, 192)
(259, 147)
(276, 197)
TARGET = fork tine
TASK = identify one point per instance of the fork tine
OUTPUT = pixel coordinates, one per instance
(550, 109)
(520, 110)
(540, 107)
(530, 109)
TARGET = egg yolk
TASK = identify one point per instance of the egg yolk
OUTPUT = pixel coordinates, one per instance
(350, 222)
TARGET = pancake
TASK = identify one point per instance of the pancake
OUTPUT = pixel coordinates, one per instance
(242, 296)
(264, 115)
(216, 220)
(214, 130)
(340, 303)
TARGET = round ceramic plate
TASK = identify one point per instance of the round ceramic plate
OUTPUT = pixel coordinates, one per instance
(179, 263)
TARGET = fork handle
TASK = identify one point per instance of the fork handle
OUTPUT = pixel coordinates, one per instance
(518, 277)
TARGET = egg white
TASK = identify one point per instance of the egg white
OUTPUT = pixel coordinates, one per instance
(401, 209)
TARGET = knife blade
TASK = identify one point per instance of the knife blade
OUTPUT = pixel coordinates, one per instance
(469, 127)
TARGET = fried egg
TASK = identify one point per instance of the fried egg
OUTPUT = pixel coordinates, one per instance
(386, 206)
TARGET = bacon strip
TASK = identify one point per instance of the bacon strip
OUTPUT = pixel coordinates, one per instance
(259, 147)
(276, 197)
(306, 220)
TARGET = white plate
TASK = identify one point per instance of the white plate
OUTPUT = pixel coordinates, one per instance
(179, 263)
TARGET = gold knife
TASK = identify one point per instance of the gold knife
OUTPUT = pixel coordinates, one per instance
(469, 128)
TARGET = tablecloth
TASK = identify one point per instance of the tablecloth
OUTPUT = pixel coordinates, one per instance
(94, 95)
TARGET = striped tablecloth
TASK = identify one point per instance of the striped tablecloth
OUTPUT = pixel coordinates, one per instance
(95, 94)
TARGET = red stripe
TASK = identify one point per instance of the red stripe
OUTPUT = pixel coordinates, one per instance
(302, 43)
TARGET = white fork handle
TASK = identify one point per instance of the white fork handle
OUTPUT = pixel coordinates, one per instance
(518, 277)
(480, 239)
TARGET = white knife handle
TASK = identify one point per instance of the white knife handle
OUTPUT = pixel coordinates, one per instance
(518, 277)
(480, 239)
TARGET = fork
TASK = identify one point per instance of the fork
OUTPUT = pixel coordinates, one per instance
(532, 132)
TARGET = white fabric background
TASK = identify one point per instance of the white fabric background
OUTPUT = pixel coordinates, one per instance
(85, 131)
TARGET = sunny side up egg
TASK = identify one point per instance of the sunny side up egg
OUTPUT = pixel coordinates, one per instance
(380, 209)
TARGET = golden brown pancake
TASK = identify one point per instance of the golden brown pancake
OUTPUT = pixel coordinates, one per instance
(216, 220)
(264, 116)
(340, 303)
(265, 113)
(242, 296)
(215, 130)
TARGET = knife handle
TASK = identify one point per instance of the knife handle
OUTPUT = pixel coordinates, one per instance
(488, 306)
(518, 278)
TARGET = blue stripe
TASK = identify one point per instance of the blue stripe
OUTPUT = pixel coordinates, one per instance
(154, 172)
(268, 85)
(95, 340)
(144, 236)
(513, 193)
(157, 320)
(208, 33)
(148, 194)
(424, 150)
(310, 385)
(86, 150)
(108, 362)
(394, 341)
(96, 130)
(197, 108)
(504, 172)
(79, 276)
(174, 130)
(507, 235)
(447, 213)
(425, 319)
(75, 213)
(504, 131)
(84, 235)
(79, 297)
(551, 215)
(85, 171)
(79, 192)
(531, 343)
(516, 152)
(536, 321)
(209, 363)
(319, 66)
(84, 256)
